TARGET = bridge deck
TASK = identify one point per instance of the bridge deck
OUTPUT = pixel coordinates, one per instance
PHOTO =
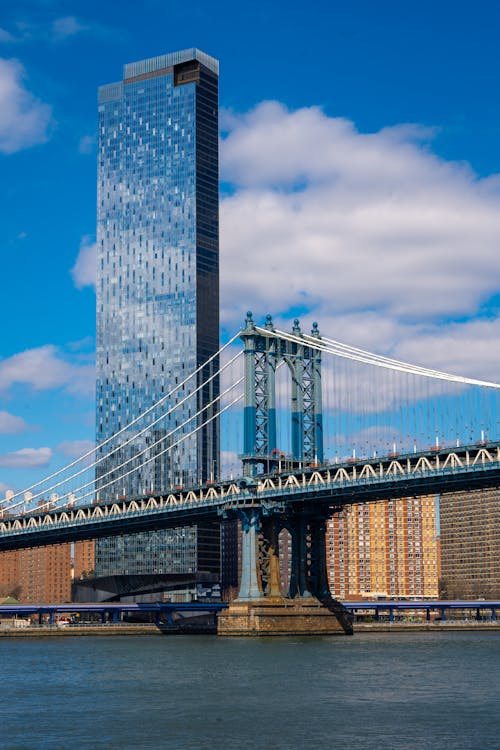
(328, 487)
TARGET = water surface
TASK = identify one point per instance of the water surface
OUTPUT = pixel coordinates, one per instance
(371, 691)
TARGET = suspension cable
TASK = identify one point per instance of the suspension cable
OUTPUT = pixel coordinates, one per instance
(174, 445)
(127, 442)
(153, 445)
(94, 450)
(377, 360)
(130, 424)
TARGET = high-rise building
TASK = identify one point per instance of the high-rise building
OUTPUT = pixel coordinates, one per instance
(387, 548)
(37, 575)
(158, 285)
(470, 544)
(83, 559)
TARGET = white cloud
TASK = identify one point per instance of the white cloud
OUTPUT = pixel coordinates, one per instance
(86, 144)
(10, 424)
(230, 464)
(26, 458)
(365, 227)
(84, 270)
(67, 26)
(75, 448)
(4, 487)
(374, 236)
(6, 36)
(44, 368)
(467, 348)
(56, 30)
(24, 119)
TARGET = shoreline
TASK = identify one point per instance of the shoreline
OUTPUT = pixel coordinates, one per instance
(150, 629)
(412, 627)
(53, 631)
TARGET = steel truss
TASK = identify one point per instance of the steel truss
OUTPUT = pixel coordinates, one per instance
(262, 354)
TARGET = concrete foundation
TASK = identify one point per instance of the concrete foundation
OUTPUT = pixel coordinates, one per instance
(278, 616)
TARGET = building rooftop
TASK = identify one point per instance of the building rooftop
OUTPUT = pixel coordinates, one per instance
(130, 70)
(112, 91)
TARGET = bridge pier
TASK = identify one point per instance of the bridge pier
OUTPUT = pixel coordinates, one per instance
(261, 607)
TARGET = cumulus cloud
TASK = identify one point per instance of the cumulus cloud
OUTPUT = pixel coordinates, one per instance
(67, 26)
(10, 424)
(24, 119)
(75, 448)
(56, 30)
(45, 368)
(84, 270)
(86, 144)
(6, 36)
(369, 230)
(26, 458)
(380, 240)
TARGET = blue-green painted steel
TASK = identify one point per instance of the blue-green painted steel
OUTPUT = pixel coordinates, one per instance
(318, 401)
(250, 586)
(262, 355)
(249, 427)
(271, 389)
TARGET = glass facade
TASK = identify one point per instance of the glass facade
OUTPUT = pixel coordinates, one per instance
(157, 291)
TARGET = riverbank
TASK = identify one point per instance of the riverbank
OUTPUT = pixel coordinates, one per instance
(415, 627)
(53, 631)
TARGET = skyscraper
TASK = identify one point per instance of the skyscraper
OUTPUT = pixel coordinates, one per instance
(157, 281)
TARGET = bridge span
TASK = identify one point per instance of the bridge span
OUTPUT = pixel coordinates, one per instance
(319, 489)
(297, 490)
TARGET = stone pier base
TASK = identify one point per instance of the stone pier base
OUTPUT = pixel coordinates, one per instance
(278, 616)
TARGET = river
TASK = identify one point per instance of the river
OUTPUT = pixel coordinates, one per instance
(370, 691)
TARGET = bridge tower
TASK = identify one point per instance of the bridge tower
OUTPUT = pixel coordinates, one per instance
(263, 352)
(261, 606)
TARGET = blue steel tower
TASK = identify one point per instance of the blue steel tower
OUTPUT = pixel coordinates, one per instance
(158, 280)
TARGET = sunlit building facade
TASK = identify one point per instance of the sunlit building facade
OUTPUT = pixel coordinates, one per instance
(384, 549)
(37, 575)
(157, 284)
(84, 559)
(470, 544)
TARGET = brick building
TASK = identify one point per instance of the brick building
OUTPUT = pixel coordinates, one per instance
(470, 544)
(42, 575)
(387, 548)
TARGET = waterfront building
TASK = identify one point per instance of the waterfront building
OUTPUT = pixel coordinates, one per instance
(38, 575)
(84, 559)
(470, 544)
(387, 548)
(158, 286)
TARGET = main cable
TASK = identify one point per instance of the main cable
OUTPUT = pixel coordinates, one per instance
(94, 450)
(145, 450)
(130, 424)
(127, 442)
(376, 360)
(174, 445)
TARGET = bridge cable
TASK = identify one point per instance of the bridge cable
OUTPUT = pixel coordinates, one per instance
(127, 426)
(134, 421)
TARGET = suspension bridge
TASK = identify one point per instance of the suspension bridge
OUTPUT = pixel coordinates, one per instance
(305, 425)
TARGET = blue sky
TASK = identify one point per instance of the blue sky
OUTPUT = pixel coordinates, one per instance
(360, 168)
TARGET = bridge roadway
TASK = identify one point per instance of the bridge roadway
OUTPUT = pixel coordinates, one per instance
(327, 487)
